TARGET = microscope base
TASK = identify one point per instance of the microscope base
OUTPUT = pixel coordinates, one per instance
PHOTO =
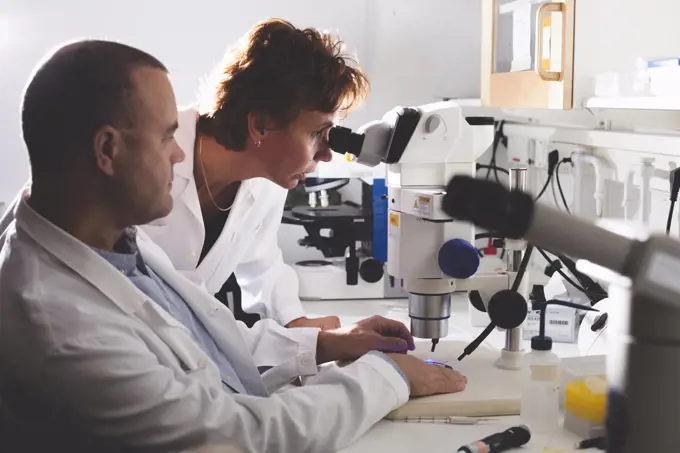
(509, 360)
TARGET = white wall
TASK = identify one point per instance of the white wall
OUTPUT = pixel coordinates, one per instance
(413, 52)
(419, 51)
(189, 37)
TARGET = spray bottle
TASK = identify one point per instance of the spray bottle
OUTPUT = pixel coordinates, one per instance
(540, 401)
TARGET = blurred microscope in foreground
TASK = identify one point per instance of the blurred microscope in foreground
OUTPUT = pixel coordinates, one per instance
(643, 360)
(423, 148)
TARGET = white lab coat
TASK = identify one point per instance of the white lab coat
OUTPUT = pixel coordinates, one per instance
(82, 349)
(247, 246)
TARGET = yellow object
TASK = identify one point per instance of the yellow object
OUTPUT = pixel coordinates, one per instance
(587, 398)
(556, 450)
(545, 58)
(394, 219)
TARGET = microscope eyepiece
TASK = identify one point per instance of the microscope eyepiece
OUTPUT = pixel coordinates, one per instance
(343, 141)
(489, 205)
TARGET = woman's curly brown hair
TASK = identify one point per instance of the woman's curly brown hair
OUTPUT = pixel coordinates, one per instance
(276, 71)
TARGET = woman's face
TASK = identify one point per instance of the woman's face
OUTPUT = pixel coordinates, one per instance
(288, 154)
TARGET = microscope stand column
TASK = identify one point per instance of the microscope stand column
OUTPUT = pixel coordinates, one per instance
(512, 352)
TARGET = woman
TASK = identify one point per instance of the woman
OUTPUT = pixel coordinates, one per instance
(261, 126)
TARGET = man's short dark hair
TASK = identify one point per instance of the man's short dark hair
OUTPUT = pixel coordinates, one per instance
(81, 87)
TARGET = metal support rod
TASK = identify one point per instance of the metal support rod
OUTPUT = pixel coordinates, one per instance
(513, 337)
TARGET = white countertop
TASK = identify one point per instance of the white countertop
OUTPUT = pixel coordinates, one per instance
(400, 437)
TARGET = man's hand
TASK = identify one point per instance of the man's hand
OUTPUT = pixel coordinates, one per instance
(426, 379)
(373, 334)
(325, 323)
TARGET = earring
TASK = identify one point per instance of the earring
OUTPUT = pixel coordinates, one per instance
(258, 143)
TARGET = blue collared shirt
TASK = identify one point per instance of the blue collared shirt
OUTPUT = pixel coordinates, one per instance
(128, 260)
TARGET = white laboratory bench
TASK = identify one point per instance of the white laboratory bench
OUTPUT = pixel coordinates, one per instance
(401, 437)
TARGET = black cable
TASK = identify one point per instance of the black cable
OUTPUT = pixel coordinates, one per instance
(474, 344)
(562, 274)
(545, 186)
(554, 194)
(559, 185)
(497, 138)
(492, 167)
(595, 291)
(494, 152)
(553, 162)
(669, 222)
(674, 180)
(494, 146)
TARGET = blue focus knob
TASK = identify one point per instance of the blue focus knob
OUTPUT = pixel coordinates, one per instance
(458, 259)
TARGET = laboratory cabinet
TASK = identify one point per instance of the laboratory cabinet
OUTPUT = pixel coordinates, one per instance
(546, 54)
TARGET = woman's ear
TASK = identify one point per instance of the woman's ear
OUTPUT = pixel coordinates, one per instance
(256, 127)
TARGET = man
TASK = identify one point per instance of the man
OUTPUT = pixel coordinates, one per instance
(104, 346)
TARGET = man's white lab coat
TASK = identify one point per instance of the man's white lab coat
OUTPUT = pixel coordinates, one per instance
(247, 246)
(83, 351)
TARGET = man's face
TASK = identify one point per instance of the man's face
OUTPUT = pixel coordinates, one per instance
(290, 153)
(143, 167)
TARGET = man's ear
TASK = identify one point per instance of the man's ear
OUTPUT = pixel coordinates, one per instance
(107, 146)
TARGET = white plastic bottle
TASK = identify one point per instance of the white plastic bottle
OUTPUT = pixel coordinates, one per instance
(540, 401)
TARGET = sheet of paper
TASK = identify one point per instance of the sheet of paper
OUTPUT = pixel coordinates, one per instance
(491, 391)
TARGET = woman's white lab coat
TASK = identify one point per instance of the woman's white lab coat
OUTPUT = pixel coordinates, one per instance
(247, 246)
(83, 350)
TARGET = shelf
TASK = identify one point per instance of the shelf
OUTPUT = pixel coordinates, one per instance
(658, 116)
(659, 143)
(639, 124)
(634, 103)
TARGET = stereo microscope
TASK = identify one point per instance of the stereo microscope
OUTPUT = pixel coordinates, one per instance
(423, 148)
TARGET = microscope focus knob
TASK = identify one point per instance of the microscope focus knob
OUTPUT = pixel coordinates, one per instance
(458, 259)
(507, 309)
(371, 270)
